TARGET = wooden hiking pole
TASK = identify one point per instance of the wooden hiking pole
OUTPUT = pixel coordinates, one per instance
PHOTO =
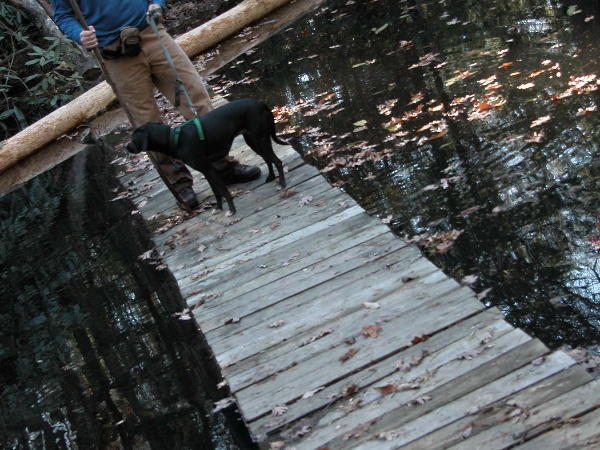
(110, 82)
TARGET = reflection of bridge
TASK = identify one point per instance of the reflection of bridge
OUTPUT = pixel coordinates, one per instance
(333, 333)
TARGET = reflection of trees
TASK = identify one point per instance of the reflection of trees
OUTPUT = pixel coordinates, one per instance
(89, 351)
(527, 249)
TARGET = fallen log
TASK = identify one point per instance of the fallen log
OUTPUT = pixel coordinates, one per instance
(86, 106)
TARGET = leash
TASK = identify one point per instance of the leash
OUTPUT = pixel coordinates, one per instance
(179, 87)
(109, 80)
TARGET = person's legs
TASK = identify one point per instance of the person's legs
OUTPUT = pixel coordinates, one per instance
(164, 79)
(133, 80)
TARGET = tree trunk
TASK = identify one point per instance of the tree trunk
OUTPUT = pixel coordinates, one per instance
(64, 119)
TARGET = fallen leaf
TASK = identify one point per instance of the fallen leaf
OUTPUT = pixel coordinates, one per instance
(305, 201)
(468, 355)
(469, 280)
(422, 400)
(288, 193)
(386, 389)
(313, 392)
(371, 331)
(232, 320)
(279, 410)
(371, 305)
(222, 404)
(467, 432)
(349, 354)
(418, 339)
(540, 121)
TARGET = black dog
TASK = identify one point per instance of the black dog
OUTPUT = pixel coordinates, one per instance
(249, 118)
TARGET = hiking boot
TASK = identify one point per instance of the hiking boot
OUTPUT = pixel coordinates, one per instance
(239, 173)
(188, 196)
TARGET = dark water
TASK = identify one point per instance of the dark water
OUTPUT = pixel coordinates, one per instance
(471, 126)
(91, 355)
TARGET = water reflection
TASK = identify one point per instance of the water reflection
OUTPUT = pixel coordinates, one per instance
(471, 128)
(90, 353)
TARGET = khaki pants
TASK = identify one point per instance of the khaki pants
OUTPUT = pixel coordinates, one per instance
(135, 79)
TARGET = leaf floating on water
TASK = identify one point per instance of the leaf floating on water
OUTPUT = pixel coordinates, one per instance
(380, 29)
(222, 404)
(469, 280)
(540, 121)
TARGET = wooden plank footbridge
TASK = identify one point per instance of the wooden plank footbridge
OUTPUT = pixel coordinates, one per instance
(332, 333)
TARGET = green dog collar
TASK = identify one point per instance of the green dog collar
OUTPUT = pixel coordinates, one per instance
(178, 130)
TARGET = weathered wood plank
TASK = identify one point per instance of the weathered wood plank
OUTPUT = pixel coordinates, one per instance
(515, 418)
(296, 288)
(401, 413)
(489, 393)
(582, 432)
(284, 221)
(223, 241)
(287, 261)
(304, 313)
(408, 364)
(412, 302)
(313, 322)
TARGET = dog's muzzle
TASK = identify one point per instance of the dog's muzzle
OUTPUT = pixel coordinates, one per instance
(132, 148)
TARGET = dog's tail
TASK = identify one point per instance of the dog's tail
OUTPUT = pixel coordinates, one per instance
(273, 131)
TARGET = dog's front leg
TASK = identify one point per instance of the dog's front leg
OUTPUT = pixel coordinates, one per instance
(219, 189)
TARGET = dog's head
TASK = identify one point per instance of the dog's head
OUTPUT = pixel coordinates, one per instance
(139, 140)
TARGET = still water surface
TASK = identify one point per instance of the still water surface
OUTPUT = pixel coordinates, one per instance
(472, 129)
(91, 354)
(470, 126)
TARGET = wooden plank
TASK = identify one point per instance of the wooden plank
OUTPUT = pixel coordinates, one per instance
(240, 234)
(244, 277)
(455, 380)
(499, 425)
(582, 432)
(413, 300)
(218, 232)
(310, 323)
(287, 285)
(305, 314)
(282, 238)
(431, 354)
(517, 418)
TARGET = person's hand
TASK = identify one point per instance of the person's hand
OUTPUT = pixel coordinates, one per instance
(156, 12)
(88, 38)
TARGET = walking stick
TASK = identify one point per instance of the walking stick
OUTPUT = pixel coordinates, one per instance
(110, 82)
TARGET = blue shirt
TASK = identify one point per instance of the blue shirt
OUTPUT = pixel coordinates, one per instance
(108, 17)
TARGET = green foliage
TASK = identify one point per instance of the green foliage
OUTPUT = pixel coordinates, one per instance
(35, 76)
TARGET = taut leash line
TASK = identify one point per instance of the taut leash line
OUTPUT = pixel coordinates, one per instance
(179, 87)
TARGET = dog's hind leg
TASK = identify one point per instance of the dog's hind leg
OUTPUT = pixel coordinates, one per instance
(264, 148)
